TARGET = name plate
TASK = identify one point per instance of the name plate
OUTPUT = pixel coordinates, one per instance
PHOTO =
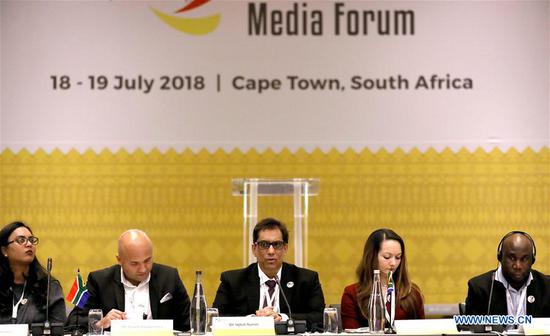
(249, 325)
(14, 329)
(538, 326)
(142, 327)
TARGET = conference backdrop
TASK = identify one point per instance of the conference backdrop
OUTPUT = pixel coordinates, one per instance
(428, 117)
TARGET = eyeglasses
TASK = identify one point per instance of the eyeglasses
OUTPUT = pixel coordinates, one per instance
(22, 240)
(264, 244)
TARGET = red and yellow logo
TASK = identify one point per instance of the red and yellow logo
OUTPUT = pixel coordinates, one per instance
(193, 26)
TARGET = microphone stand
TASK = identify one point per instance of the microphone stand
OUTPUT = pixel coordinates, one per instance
(47, 328)
(491, 294)
(292, 327)
(391, 298)
(77, 331)
(489, 328)
(47, 331)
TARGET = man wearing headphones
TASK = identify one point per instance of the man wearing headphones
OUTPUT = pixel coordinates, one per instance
(513, 288)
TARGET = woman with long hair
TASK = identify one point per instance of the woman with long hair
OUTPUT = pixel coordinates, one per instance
(23, 280)
(385, 251)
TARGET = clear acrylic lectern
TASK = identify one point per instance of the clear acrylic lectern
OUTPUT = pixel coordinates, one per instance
(299, 188)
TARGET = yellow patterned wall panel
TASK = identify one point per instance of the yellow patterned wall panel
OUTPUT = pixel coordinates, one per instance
(451, 208)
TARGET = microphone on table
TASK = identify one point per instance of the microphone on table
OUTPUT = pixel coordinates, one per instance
(491, 293)
(289, 326)
(47, 328)
(489, 328)
(390, 311)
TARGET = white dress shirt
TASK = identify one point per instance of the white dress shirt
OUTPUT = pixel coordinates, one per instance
(515, 299)
(137, 305)
(264, 294)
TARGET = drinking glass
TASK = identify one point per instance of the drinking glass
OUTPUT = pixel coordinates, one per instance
(94, 316)
(210, 314)
(330, 320)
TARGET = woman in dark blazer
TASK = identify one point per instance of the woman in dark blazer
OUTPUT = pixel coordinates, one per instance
(23, 281)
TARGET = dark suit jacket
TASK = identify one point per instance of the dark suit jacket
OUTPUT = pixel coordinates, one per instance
(107, 292)
(239, 293)
(480, 286)
(33, 310)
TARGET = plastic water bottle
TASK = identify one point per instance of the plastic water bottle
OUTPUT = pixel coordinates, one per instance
(198, 307)
(376, 306)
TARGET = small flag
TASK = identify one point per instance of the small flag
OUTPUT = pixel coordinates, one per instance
(78, 295)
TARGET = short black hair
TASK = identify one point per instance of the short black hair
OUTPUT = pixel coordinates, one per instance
(270, 224)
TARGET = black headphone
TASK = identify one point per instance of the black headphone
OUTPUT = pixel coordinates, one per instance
(526, 235)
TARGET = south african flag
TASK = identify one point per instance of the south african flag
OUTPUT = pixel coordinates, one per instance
(78, 295)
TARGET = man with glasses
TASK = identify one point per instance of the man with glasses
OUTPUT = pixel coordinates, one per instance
(135, 288)
(255, 290)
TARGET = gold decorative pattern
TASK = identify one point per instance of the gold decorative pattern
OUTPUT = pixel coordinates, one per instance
(451, 208)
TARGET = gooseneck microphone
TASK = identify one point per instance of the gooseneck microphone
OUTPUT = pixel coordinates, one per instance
(47, 328)
(390, 296)
(290, 322)
(491, 294)
(292, 327)
(489, 328)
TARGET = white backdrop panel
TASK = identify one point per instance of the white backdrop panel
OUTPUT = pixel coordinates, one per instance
(503, 47)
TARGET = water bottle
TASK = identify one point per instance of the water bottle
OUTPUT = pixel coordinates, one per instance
(198, 307)
(376, 306)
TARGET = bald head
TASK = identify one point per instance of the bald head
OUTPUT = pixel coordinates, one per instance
(517, 241)
(135, 255)
(133, 239)
(517, 259)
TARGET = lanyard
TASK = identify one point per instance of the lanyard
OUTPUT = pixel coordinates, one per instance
(520, 302)
(16, 305)
(270, 300)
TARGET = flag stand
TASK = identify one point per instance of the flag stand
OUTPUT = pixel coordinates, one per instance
(78, 295)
